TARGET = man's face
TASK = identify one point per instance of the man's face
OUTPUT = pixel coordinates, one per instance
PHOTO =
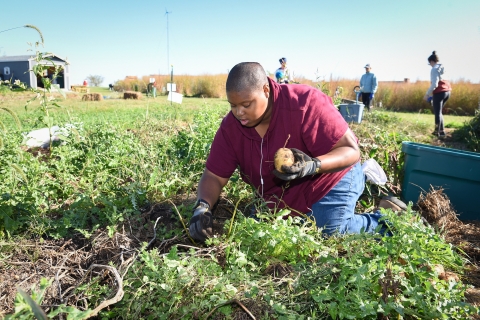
(367, 70)
(249, 106)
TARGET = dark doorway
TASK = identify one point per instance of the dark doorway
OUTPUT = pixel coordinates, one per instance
(59, 80)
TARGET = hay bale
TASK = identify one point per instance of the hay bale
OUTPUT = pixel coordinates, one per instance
(80, 89)
(92, 97)
(132, 95)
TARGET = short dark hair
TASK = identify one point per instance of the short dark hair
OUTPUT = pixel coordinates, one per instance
(246, 76)
(433, 57)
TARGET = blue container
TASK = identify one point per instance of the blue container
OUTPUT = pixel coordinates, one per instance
(352, 112)
(456, 171)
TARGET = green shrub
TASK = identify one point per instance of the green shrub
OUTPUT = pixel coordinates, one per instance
(470, 133)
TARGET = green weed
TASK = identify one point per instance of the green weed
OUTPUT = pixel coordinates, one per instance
(294, 272)
(28, 307)
(470, 133)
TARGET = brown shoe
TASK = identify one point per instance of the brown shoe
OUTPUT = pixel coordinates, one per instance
(390, 202)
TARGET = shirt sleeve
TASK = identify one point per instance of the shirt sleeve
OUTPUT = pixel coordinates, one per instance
(374, 84)
(434, 78)
(221, 160)
(323, 125)
(289, 75)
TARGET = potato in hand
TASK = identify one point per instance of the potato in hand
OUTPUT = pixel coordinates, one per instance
(283, 156)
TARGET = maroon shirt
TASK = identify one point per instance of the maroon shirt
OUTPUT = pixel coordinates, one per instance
(314, 126)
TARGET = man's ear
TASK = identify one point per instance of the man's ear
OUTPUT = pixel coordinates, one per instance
(266, 90)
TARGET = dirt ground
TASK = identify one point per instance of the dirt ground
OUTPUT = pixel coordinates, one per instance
(75, 261)
(448, 141)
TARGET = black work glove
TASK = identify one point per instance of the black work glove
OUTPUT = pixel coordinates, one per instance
(201, 223)
(304, 165)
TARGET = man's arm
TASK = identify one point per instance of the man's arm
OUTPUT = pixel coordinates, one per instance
(343, 154)
(289, 75)
(210, 187)
(374, 84)
(434, 79)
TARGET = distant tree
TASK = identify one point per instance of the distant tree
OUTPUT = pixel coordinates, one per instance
(95, 80)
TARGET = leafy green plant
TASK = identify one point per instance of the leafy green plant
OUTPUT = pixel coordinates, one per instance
(28, 307)
(13, 115)
(381, 140)
(99, 176)
(470, 132)
(46, 101)
(285, 239)
(291, 270)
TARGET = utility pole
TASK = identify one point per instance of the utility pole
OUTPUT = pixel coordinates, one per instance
(168, 41)
(171, 84)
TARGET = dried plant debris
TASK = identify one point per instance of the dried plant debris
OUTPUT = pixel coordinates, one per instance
(436, 208)
(67, 262)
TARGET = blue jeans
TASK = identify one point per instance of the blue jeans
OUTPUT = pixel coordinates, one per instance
(335, 212)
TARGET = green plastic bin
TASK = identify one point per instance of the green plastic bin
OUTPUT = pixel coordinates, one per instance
(456, 171)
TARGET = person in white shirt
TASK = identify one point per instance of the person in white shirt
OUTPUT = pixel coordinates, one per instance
(438, 93)
(283, 74)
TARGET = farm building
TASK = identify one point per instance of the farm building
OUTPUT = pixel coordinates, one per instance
(17, 67)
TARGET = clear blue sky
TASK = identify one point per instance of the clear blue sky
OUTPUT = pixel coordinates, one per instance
(119, 38)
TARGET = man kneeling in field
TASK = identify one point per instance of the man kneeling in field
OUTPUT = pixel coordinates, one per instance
(325, 179)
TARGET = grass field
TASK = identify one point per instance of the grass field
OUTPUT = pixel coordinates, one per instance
(115, 108)
(189, 105)
(102, 217)
(450, 121)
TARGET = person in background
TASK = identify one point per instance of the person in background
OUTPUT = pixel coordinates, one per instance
(85, 83)
(438, 93)
(326, 178)
(149, 88)
(154, 89)
(283, 74)
(368, 86)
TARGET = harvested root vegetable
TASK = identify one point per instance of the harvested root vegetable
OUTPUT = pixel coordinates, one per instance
(449, 276)
(283, 156)
(439, 269)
